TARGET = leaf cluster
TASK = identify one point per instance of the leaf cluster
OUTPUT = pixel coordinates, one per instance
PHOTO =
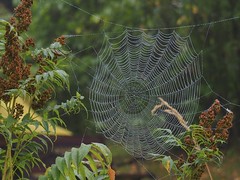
(200, 144)
(86, 162)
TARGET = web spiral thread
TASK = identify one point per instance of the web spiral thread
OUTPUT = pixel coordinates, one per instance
(134, 70)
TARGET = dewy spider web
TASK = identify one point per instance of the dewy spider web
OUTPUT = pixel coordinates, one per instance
(134, 70)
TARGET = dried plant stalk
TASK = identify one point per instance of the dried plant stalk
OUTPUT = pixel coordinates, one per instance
(171, 111)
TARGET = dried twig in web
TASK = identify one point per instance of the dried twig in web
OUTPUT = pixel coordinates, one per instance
(170, 110)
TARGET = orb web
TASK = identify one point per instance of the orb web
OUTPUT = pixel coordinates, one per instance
(135, 69)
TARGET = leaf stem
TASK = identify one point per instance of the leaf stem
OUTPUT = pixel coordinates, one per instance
(8, 165)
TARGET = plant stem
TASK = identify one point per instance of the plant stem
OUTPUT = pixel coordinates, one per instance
(209, 172)
(8, 165)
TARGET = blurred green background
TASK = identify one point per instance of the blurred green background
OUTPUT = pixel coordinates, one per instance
(90, 19)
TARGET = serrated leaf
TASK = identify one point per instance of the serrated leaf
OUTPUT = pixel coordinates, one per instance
(45, 52)
(50, 53)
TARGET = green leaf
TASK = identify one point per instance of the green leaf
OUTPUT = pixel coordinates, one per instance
(168, 163)
(61, 164)
(43, 178)
(105, 151)
(49, 78)
(92, 164)
(44, 142)
(67, 157)
(81, 171)
(45, 126)
(50, 53)
(79, 153)
(55, 172)
(9, 121)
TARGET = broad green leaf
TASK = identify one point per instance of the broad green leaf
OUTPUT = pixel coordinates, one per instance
(79, 154)
(89, 174)
(81, 171)
(55, 172)
(61, 164)
(92, 164)
(67, 157)
(105, 151)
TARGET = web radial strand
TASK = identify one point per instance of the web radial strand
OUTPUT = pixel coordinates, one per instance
(134, 70)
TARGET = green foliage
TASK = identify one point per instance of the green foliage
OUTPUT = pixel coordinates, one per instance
(199, 144)
(2, 32)
(24, 92)
(73, 105)
(28, 78)
(86, 162)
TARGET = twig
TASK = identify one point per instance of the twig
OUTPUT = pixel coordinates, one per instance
(171, 111)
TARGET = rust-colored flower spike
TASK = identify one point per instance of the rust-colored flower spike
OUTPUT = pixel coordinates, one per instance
(22, 16)
(39, 102)
(199, 171)
(223, 126)
(41, 61)
(61, 40)
(180, 161)
(29, 42)
(217, 106)
(192, 158)
(208, 117)
(188, 140)
(12, 64)
(18, 111)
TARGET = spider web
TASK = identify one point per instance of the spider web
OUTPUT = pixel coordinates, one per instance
(160, 65)
(134, 70)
